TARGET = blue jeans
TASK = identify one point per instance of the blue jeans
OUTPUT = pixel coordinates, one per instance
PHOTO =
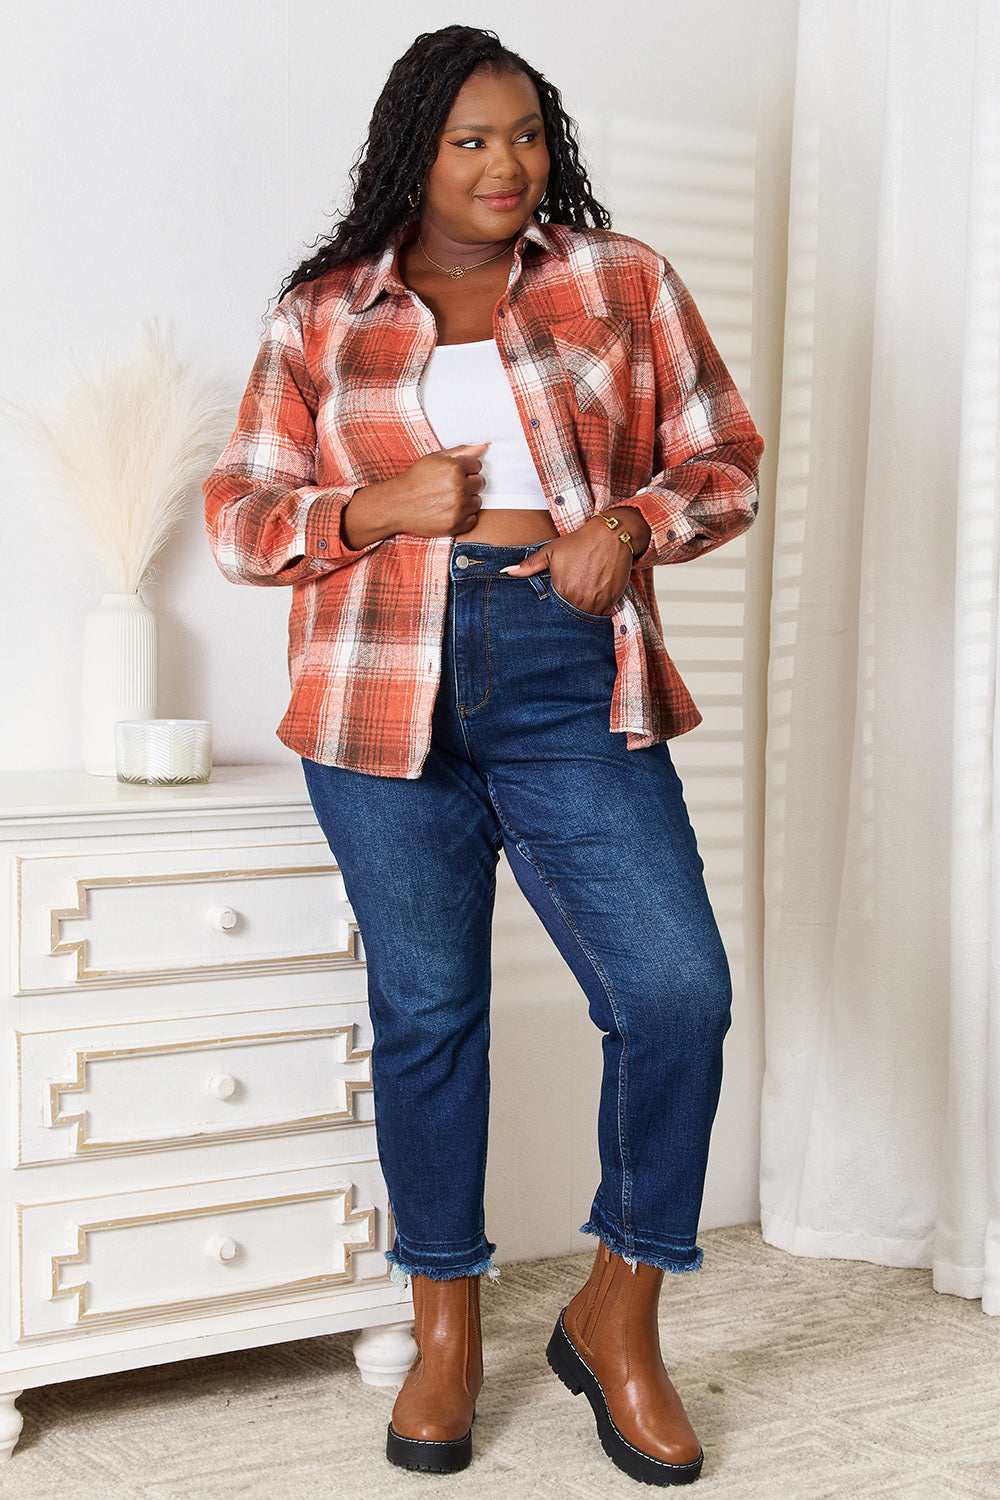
(599, 840)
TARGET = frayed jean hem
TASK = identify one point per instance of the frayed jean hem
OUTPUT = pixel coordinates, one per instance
(647, 1258)
(400, 1274)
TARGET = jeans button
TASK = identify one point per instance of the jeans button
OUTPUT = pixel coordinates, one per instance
(461, 561)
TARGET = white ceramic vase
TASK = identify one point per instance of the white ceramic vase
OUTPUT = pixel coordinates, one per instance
(119, 675)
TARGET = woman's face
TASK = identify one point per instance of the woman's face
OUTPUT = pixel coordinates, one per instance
(492, 163)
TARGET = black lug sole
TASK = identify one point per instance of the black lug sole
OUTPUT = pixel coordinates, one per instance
(578, 1377)
(443, 1456)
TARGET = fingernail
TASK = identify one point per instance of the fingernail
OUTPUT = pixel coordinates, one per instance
(511, 568)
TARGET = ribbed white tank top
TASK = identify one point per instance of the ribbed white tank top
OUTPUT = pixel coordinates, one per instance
(467, 399)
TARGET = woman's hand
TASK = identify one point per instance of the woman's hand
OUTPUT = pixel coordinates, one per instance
(436, 496)
(591, 567)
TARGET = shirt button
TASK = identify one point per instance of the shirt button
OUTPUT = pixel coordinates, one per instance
(501, 313)
(559, 500)
(671, 536)
(462, 561)
(533, 422)
(512, 358)
(321, 544)
(623, 630)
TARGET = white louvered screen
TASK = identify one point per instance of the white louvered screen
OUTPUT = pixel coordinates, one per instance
(690, 193)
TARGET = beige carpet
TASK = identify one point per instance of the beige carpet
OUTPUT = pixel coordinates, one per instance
(805, 1379)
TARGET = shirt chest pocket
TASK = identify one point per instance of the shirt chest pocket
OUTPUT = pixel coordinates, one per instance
(596, 354)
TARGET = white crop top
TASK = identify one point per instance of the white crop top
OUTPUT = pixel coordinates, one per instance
(467, 398)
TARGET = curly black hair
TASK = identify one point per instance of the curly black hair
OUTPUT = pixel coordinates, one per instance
(402, 143)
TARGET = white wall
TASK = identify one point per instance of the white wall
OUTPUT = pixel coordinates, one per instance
(171, 160)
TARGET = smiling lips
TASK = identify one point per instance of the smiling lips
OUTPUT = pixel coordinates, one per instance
(501, 201)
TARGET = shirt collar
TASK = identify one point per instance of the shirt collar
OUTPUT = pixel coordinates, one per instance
(382, 274)
(542, 236)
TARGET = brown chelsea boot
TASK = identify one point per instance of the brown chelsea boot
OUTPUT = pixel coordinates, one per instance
(607, 1345)
(431, 1425)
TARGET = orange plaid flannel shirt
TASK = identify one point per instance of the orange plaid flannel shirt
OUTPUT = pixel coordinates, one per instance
(624, 400)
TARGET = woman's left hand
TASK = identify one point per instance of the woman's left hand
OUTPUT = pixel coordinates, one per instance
(590, 568)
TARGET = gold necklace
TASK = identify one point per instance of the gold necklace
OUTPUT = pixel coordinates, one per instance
(457, 272)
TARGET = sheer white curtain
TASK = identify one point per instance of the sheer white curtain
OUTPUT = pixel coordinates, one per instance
(881, 1125)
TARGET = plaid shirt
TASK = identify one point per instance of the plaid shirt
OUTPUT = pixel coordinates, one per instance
(624, 400)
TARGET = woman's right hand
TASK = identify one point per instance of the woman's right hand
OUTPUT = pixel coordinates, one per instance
(436, 496)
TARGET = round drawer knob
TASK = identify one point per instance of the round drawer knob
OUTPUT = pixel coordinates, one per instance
(223, 1249)
(222, 1085)
(223, 918)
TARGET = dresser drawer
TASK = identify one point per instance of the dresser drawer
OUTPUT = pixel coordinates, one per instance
(138, 916)
(104, 1090)
(158, 1254)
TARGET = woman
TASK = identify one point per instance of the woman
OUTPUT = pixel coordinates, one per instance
(478, 419)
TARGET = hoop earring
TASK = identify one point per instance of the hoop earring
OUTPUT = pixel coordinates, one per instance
(414, 202)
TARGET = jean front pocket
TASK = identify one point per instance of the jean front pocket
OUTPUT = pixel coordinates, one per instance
(571, 609)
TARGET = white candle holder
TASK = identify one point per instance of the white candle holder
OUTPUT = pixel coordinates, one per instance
(163, 752)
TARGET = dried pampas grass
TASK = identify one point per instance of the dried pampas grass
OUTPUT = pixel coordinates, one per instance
(126, 447)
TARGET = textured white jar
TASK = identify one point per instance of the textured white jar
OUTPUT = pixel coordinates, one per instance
(119, 675)
(163, 752)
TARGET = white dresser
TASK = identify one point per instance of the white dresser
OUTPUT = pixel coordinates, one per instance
(188, 1153)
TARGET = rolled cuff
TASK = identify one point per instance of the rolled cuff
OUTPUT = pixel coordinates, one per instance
(670, 530)
(322, 540)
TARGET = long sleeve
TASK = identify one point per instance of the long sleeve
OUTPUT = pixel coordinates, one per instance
(706, 492)
(268, 521)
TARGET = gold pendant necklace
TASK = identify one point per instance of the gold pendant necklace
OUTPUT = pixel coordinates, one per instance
(457, 272)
